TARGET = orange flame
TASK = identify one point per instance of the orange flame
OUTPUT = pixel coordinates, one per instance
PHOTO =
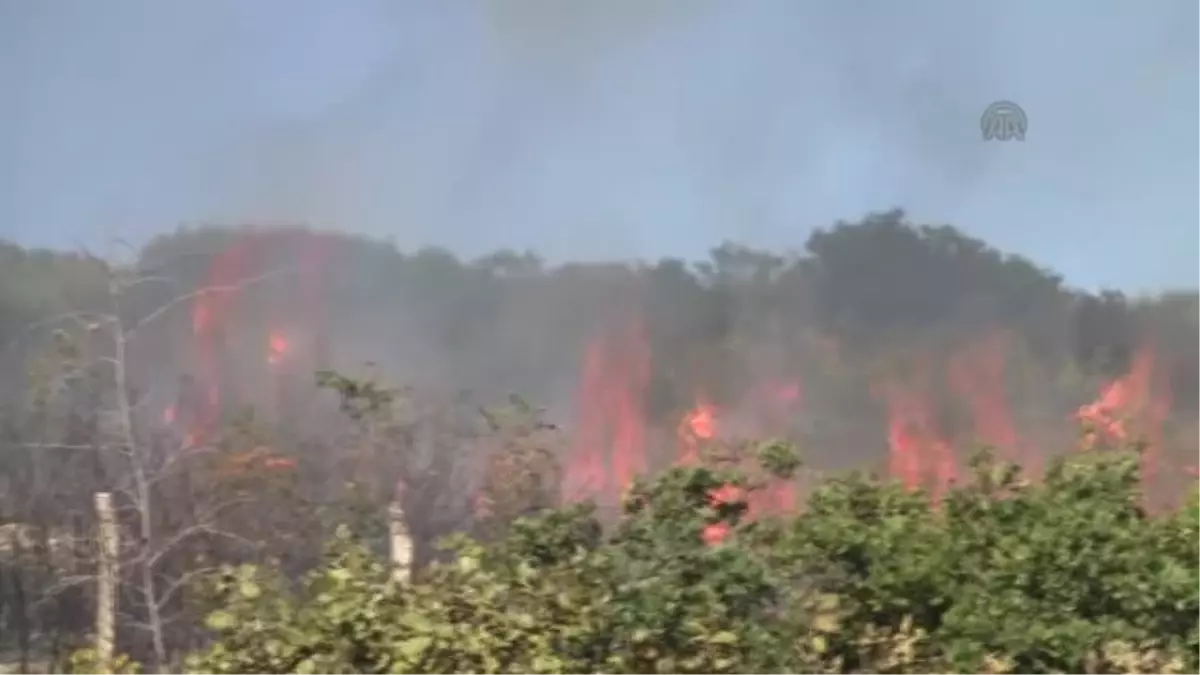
(913, 441)
(976, 375)
(697, 426)
(610, 427)
(213, 310)
(1131, 399)
(775, 401)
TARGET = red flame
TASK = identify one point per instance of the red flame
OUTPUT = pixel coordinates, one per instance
(715, 533)
(611, 430)
(697, 426)
(1131, 400)
(213, 310)
(210, 314)
(775, 402)
(913, 441)
(976, 375)
(277, 348)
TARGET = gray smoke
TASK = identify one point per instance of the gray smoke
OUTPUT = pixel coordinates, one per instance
(619, 128)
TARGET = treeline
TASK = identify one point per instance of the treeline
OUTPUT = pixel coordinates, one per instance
(868, 285)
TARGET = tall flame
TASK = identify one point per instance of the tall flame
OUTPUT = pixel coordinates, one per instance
(1131, 400)
(213, 311)
(916, 449)
(609, 449)
(976, 375)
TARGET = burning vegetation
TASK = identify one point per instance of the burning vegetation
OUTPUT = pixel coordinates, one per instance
(653, 375)
(932, 410)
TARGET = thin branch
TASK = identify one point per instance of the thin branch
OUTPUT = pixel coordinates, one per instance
(125, 244)
(152, 558)
(180, 582)
(63, 446)
(147, 278)
(148, 627)
(178, 300)
(62, 585)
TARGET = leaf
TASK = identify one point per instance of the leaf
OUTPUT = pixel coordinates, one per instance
(724, 637)
(413, 648)
(249, 590)
(220, 620)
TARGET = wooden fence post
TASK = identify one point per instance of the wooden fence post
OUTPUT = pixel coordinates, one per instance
(106, 585)
(401, 542)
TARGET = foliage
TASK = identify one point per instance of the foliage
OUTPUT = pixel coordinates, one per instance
(1070, 575)
(878, 299)
(521, 474)
(89, 661)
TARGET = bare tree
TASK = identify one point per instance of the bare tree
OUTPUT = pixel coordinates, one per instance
(98, 345)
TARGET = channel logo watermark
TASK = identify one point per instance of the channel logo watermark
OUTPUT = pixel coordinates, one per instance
(1004, 121)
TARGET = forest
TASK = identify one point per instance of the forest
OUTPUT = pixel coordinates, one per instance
(895, 449)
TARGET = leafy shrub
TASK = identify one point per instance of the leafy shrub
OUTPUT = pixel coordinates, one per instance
(1069, 575)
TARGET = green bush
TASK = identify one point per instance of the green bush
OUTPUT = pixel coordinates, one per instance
(1068, 575)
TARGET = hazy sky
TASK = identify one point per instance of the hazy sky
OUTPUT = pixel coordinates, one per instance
(610, 127)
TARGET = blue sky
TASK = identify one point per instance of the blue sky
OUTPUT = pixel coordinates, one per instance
(609, 129)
